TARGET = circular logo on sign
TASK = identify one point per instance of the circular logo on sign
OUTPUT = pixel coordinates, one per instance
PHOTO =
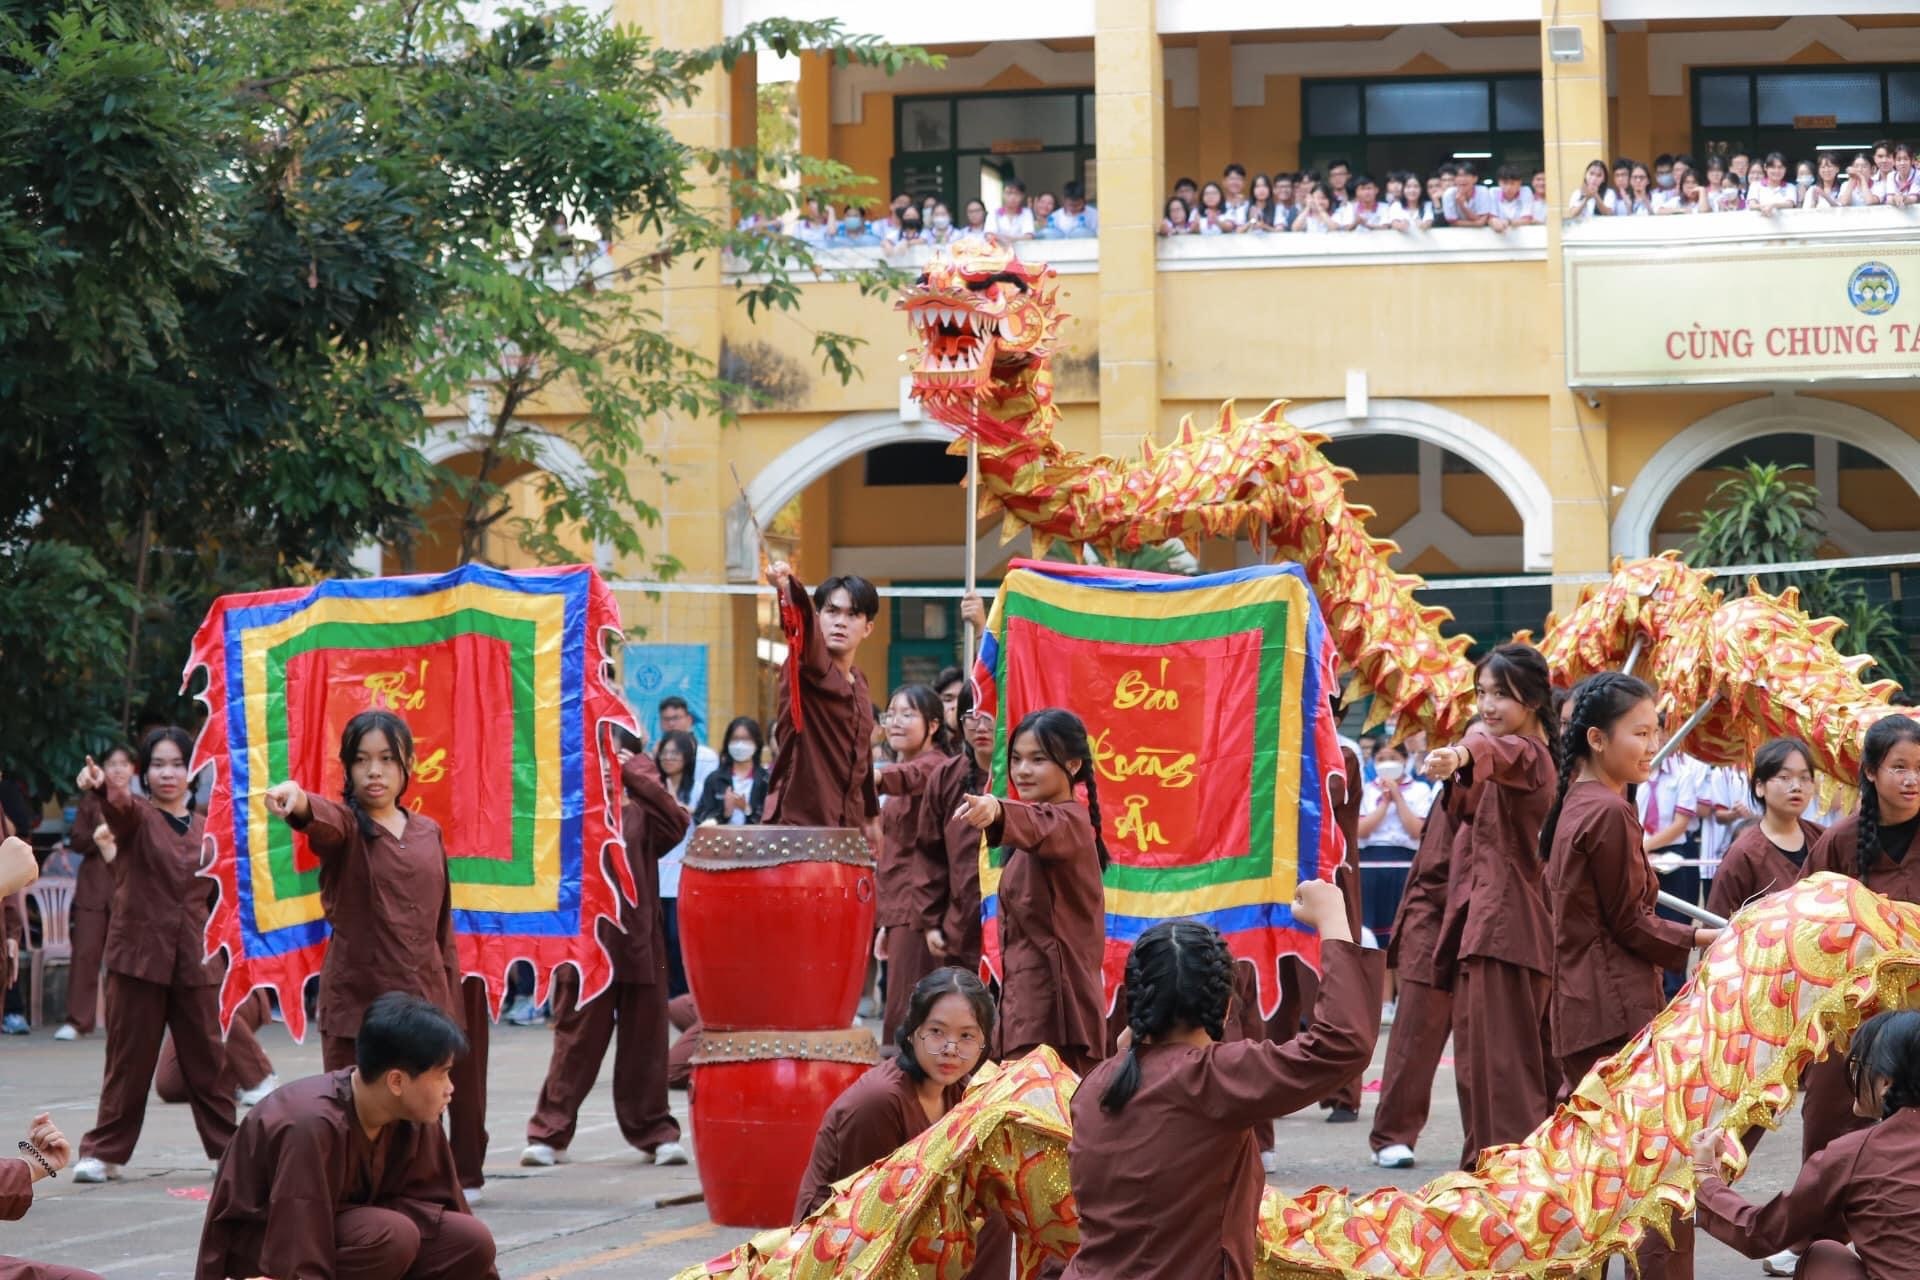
(649, 678)
(1873, 288)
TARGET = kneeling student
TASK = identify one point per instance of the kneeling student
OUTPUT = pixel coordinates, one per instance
(350, 1173)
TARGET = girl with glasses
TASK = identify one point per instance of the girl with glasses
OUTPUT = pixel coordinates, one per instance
(910, 861)
(1769, 854)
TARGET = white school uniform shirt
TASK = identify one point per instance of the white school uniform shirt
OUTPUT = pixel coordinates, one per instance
(1482, 202)
(1728, 790)
(1087, 220)
(1240, 211)
(1010, 226)
(1521, 206)
(1588, 205)
(1890, 185)
(1392, 831)
(1349, 215)
(1763, 195)
(1674, 789)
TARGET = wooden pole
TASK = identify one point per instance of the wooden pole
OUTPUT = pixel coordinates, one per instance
(973, 553)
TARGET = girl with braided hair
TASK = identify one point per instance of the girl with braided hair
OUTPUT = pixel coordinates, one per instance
(1863, 1189)
(1495, 945)
(1162, 1156)
(910, 855)
(1053, 916)
(1875, 847)
(950, 918)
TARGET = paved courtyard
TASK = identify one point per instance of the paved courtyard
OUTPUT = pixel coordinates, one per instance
(605, 1214)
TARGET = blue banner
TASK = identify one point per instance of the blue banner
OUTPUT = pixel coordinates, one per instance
(656, 671)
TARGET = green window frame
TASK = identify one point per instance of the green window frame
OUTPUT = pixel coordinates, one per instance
(1899, 115)
(912, 657)
(1377, 152)
(939, 172)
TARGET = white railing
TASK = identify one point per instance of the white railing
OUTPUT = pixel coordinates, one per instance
(1253, 250)
(1069, 258)
(1876, 222)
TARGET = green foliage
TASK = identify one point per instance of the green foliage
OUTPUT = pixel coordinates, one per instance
(1762, 513)
(244, 248)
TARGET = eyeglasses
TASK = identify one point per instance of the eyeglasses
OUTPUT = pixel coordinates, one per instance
(940, 1041)
(1904, 775)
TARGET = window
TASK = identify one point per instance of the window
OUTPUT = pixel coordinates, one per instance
(961, 147)
(1421, 122)
(1803, 111)
(914, 463)
(926, 636)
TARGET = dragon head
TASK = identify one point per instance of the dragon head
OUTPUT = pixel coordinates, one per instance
(979, 317)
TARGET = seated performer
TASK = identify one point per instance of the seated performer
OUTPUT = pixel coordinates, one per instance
(350, 1173)
(1162, 1154)
(1862, 1188)
(50, 1153)
(823, 771)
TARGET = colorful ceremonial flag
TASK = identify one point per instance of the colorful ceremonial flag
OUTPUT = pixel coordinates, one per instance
(1206, 703)
(504, 679)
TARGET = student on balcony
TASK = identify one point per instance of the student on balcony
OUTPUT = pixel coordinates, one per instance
(1773, 191)
(1417, 211)
(1512, 205)
(1590, 201)
(1900, 186)
(1366, 213)
(1317, 217)
(1012, 220)
(1467, 204)
(1239, 209)
(1176, 222)
(1212, 218)
(1075, 219)
(976, 228)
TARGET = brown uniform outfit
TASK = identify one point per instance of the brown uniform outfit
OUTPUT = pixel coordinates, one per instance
(1169, 1186)
(305, 1194)
(634, 1006)
(16, 1197)
(244, 1064)
(911, 876)
(1053, 933)
(1424, 1016)
(686, 1020)
(1609, 949)
(467, 1113)
(823, 775)
(92, 913)
(157, 981)
(1863, 1188)
(1496, 931)
(1827, 1111)
(955, 908)
(1754, 866)
(1243, 1023)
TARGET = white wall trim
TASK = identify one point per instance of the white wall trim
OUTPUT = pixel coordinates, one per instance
(1069, 70)
(895, 564)
(1691, 449)
(1504, 464)
(1253, 63)
(1671, 55)
(1351, 248)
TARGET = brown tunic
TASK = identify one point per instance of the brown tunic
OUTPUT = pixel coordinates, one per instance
(876, 1115)
(160, 907)
(1753, 867)
(93, 886)
(1864, 1188)
(912, 871)
(1416, 927)
(16, 1197)
(1839, 850)
(1169, 1186)
(390, 904)
(1053, 931)
(1496, 894)
(958, 903)
(1609, 946)
(300, 1158)
(822, 777)
(653, 823)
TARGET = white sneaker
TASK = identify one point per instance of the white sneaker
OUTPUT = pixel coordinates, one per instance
(474, 1195)
(67, 1031)
(670, 1153)
(258, 1094)
(1780, 1264)
(1268, 1162)
(88, 1169)
(539, 1155)
(1397, 1156)
(1388, 1011)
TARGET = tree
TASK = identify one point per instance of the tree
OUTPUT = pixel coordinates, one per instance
(244, 248)
(1762, 513)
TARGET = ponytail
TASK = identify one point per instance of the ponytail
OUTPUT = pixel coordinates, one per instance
(1179, 973)
(1598, 702)
(1062, 736)
(1092, 785)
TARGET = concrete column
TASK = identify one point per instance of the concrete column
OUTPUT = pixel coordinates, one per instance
(1216, 106)
(1574, 97)
(1635, 138)
(816, 101)
(1129, 102)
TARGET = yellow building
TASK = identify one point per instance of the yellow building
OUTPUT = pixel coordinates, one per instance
(1527, 402)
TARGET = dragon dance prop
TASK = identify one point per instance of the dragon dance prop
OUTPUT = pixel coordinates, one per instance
(985, 328)
(1213, 740)
(1788, 982)
(503, 679)
(1757, 664)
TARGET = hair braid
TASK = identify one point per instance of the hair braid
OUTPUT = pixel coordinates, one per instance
(1885, 734)
(1867, 842)
(1093, 812)
(1598, 703)
(1179, 973)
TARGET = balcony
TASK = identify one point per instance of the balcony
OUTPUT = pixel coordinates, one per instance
(1815, 296)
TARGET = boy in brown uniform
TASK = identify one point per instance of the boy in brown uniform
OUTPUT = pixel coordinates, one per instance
(823, 774)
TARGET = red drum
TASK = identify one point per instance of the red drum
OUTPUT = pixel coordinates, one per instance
(758, 1100)
(776, 924)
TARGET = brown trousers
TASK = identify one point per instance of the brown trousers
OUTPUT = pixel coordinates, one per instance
(26, 1269)
(373, 1243)
(139, 1014)
(88, 930)
(244, 1063)
(1415, 1044)
(635, 1012)
(908, 961)
(1500, 1053)
(1829, 1260)
(467, 1113)
(1657, 1261)
(686, 1020)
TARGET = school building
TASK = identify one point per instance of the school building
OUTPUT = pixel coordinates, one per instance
(1527, 402)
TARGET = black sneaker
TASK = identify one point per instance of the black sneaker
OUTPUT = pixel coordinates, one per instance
(1342, 1115)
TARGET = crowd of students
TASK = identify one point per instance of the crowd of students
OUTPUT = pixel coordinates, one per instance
(1526, 930)
(930, 221)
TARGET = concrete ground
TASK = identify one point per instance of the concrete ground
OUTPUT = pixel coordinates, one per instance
(605, 1214)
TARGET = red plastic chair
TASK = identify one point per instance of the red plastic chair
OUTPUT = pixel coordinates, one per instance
(53, 895)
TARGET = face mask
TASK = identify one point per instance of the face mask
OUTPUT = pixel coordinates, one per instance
(1666, 181)
(1389, 770)
(740, 750)
(1804, 181)
(911, 227)
(941, 222)
(852, 226)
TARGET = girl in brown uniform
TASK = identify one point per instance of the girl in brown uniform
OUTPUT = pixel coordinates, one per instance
(1494, 935)
(1609, 944)
(952, 921)
(916, 729)
(1771, 853)
(1162, 1156)
(1053, 924)
(1863, 1189)
(157, 979)
(92, 901)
